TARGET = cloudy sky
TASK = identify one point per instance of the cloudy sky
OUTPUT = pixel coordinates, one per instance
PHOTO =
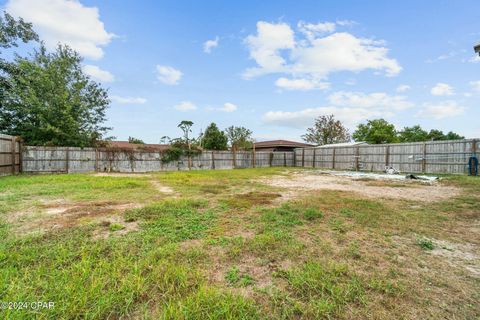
(272, 66)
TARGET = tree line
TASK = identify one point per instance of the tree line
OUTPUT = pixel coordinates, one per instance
(328, 130)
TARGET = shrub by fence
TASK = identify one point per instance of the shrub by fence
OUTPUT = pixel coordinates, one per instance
(418, 157)
(63, 159)
(10, 155)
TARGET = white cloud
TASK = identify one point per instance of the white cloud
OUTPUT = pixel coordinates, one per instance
(403, 88)
(349, 107)
(442, 89)
(185, 106)
(210, 44)
(474, 59)
(475, 85)
(379, 100)
(275, 50)
(128, 100)
(306, 117)
(265, 46)
(441, 110)
(168, 75)
(227, 107)
(301, 84)
(98, 74)
(65, 21)
(311, 30)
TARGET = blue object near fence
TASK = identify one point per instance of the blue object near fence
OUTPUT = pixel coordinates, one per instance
(473, 166)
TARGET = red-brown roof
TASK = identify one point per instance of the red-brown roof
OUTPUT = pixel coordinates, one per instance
(281, 143)
(128, 145)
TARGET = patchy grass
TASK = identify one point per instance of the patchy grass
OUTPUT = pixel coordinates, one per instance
(225, 246)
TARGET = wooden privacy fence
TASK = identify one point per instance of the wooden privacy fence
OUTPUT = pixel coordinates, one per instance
(417, 157)
(64, 159)
(10, 155)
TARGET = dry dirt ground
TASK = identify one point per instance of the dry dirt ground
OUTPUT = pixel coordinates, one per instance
(297, 183)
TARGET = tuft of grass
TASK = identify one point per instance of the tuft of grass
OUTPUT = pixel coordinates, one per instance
(115, 227)
(174, 220)
(425, 243)
(211, 303)
(236, 278)
(312, 214)
(338, 225)
(325, 289)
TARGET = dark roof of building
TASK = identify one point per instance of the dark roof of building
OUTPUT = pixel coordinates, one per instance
(128, 145)
(282, 143)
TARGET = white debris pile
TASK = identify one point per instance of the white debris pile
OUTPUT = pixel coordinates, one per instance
(371, 175)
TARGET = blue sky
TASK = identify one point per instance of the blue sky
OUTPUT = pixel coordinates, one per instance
(272, 66)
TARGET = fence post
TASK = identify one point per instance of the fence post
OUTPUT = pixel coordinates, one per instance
(333, 158)
(424, 158)
(234, 158)
(254, 160)
(20, 155)
(14, 153)
(303, 157)
(314, 158)
(270, 159)
(474, 147)
(285, 158)
(357, 158)
(67, 159)
(387, 156)
(96, 160)
(213, 160)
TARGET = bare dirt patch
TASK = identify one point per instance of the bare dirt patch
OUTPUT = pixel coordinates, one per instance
(162, 188)
(105, 231)
(251, 199)
(60, 214)
(121, 175)
(460, 255)
(410, 190)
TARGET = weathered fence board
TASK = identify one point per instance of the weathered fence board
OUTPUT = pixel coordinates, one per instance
(10, 155)
(418, 157)
(428, 157)
(63, 160)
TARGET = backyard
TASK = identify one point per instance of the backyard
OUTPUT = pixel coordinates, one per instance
(275, 243)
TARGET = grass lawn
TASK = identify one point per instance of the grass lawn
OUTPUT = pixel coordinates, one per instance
(224, 245)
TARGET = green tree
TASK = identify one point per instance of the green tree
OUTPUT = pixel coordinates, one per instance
(453, 136)
(135, 140)
(52, 102)
(214, 139)
(186, 127)
(240, 138)
(375, 132)
(413, 134)
(11, 32)
(326, 130)
(438, 135)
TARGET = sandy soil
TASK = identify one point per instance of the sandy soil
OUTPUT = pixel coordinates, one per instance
(410, 190)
